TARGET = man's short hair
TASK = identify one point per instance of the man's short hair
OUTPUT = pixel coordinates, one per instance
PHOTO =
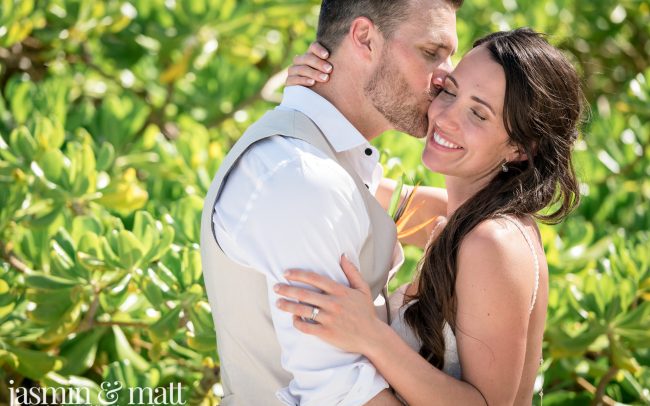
(336, 16)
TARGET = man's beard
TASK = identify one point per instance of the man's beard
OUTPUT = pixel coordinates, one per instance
(389, 93)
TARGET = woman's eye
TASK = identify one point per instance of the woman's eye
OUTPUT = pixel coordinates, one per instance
(478, 115)
(448, 93)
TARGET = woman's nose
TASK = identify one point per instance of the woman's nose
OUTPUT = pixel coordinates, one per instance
(444, 116)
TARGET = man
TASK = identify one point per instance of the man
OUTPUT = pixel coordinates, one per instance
(296, 192)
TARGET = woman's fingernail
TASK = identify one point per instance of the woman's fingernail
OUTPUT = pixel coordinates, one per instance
(323, 76)
(311, 81)
(328, 68)
(276, 287)
(324, 54)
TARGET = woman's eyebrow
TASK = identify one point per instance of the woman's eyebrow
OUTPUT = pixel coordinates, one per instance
(475, 98)
(483, 102)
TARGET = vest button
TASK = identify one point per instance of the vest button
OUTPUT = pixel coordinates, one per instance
(368, 151)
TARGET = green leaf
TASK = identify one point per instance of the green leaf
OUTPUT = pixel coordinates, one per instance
(165, 328)
(41, 280)
(34, 364)
(114, 296)
(564, 397)
(50, 304)
(395, 198)
(205, 343)
(187, 216)
(152, 292)
(8, 299)
(129, 249)
(23, 143)
(63, 257)
(623, 358)
(191, 266)
(634, 325)
(48, 135)
(105, 157)
(79, 353)
(124, 194)
(52, 164)
(144, 229)
(82, 225)
(564, 345)
(20, 93)
(83, 172)
(201, 317)
(163, 277)
(126, 352)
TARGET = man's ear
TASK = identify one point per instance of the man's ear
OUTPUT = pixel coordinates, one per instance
(366, 38)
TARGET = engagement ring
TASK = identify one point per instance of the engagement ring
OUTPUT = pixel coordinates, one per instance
(314, 313)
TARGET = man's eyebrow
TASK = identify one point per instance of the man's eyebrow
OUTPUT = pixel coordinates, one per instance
(442, 42)
(475, 98)
(439, 44)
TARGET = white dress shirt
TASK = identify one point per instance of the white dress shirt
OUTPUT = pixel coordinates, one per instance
(287, 205)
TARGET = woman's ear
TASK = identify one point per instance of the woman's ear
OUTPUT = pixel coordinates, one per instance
(517, 154)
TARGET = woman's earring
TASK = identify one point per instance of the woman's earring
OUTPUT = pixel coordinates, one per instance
(504, 167)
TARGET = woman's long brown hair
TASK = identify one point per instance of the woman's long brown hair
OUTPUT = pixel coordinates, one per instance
(542, 112)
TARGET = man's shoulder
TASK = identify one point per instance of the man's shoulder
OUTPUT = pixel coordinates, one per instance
(286, 165)
(282, 134)
(267, 155)
(279, 148)
(282, 179)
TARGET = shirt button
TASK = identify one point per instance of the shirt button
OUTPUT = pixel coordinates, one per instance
(368, 151)
(367, 187)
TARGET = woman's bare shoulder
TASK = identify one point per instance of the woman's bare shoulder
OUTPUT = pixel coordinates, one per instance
(495, 258)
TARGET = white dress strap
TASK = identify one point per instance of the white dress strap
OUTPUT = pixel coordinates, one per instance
(532, 250)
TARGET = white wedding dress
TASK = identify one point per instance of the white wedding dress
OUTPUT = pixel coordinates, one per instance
(451, 361)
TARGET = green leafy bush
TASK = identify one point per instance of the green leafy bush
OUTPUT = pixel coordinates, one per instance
(114, 116)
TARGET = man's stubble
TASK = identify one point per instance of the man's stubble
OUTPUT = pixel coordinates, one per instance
(389, 92)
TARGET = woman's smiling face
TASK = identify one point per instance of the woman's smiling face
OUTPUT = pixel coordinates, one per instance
(467, 137)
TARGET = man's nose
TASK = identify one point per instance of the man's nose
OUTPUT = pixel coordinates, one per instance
(447, 66)
(441, 73)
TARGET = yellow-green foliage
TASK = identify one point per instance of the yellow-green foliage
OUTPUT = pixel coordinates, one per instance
(115, 115)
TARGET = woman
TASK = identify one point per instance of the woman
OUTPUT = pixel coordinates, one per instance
(501, 131)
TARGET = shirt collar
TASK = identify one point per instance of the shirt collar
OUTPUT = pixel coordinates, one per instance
(340, 133)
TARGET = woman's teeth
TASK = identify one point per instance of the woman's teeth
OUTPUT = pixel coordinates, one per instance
(441, 141)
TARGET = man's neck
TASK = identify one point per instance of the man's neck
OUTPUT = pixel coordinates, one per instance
(353, 106)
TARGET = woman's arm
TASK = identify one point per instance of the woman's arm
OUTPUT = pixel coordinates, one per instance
(347, 320)
(430, 201)
(494, 287)
(417, 381)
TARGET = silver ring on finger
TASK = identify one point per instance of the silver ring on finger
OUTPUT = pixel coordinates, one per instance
(314, 312)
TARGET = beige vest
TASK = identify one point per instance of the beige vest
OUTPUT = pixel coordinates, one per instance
(249, 352)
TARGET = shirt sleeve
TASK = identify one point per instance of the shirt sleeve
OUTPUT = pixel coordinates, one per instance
(303, 213)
